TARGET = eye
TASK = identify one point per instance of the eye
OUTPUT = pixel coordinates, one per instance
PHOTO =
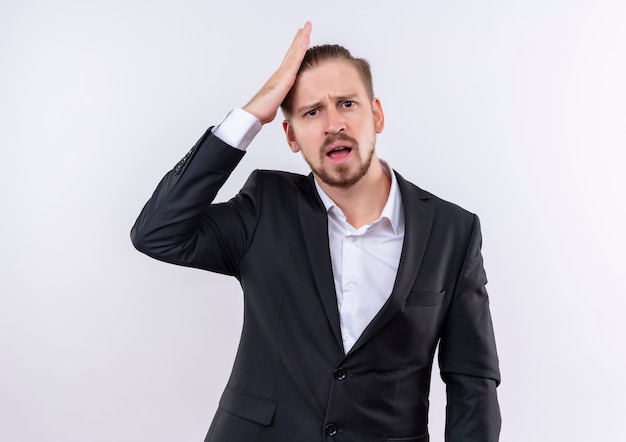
(311, 113)
(348, 104)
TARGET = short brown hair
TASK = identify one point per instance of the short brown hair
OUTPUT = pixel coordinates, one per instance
(317, 55)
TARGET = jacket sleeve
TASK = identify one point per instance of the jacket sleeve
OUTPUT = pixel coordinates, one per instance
(467, 355)
(180, 225)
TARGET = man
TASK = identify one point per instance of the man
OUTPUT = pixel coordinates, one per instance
(351, 276)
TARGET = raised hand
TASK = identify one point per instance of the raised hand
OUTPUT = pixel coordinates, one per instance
(264, 105)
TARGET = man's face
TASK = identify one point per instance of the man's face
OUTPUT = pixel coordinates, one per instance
(334, 123)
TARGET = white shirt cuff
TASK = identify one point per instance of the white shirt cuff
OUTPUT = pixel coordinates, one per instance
(238, 129)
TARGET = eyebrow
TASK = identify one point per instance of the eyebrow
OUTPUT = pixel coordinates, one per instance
(307, 106)
(350, 97)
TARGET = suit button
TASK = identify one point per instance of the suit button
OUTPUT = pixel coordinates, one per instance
(340, 374)
(177, 170)
(330, 429)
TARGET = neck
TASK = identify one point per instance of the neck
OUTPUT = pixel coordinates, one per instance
(363, 202)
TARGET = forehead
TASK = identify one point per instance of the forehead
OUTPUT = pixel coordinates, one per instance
(329, 78)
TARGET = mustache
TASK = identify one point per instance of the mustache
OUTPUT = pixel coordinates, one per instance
(339, 136)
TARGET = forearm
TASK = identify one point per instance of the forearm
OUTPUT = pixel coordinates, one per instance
(169, 221)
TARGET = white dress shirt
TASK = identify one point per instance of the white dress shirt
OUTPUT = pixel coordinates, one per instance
(364, 260)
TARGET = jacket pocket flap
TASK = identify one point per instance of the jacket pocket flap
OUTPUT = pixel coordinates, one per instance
(409, 439)
(425, 298)
(249, 407)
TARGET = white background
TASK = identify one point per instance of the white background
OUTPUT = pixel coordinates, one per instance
(515, 110)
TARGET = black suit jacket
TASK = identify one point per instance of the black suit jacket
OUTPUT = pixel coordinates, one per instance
(291, 380)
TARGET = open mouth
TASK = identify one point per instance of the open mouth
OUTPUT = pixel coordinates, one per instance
(339, 152)
(338, 148)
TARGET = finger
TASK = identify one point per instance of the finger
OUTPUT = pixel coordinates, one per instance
(306, 30)
(299, 45)
(303, 35)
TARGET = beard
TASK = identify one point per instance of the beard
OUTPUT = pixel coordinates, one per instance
(340, 175)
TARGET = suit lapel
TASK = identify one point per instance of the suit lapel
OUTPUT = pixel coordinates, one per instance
(314, 223)
(418, 222)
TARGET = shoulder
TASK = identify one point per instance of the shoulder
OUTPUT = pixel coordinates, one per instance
(411, 191)
(445, 216)
(276, 182)
(277, 178)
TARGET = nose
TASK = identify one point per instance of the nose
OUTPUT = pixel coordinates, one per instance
(335, 121)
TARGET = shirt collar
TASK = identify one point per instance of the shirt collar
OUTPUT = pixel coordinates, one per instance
(393, 207)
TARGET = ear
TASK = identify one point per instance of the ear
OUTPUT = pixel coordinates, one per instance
(379, 115)
(291, 136)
